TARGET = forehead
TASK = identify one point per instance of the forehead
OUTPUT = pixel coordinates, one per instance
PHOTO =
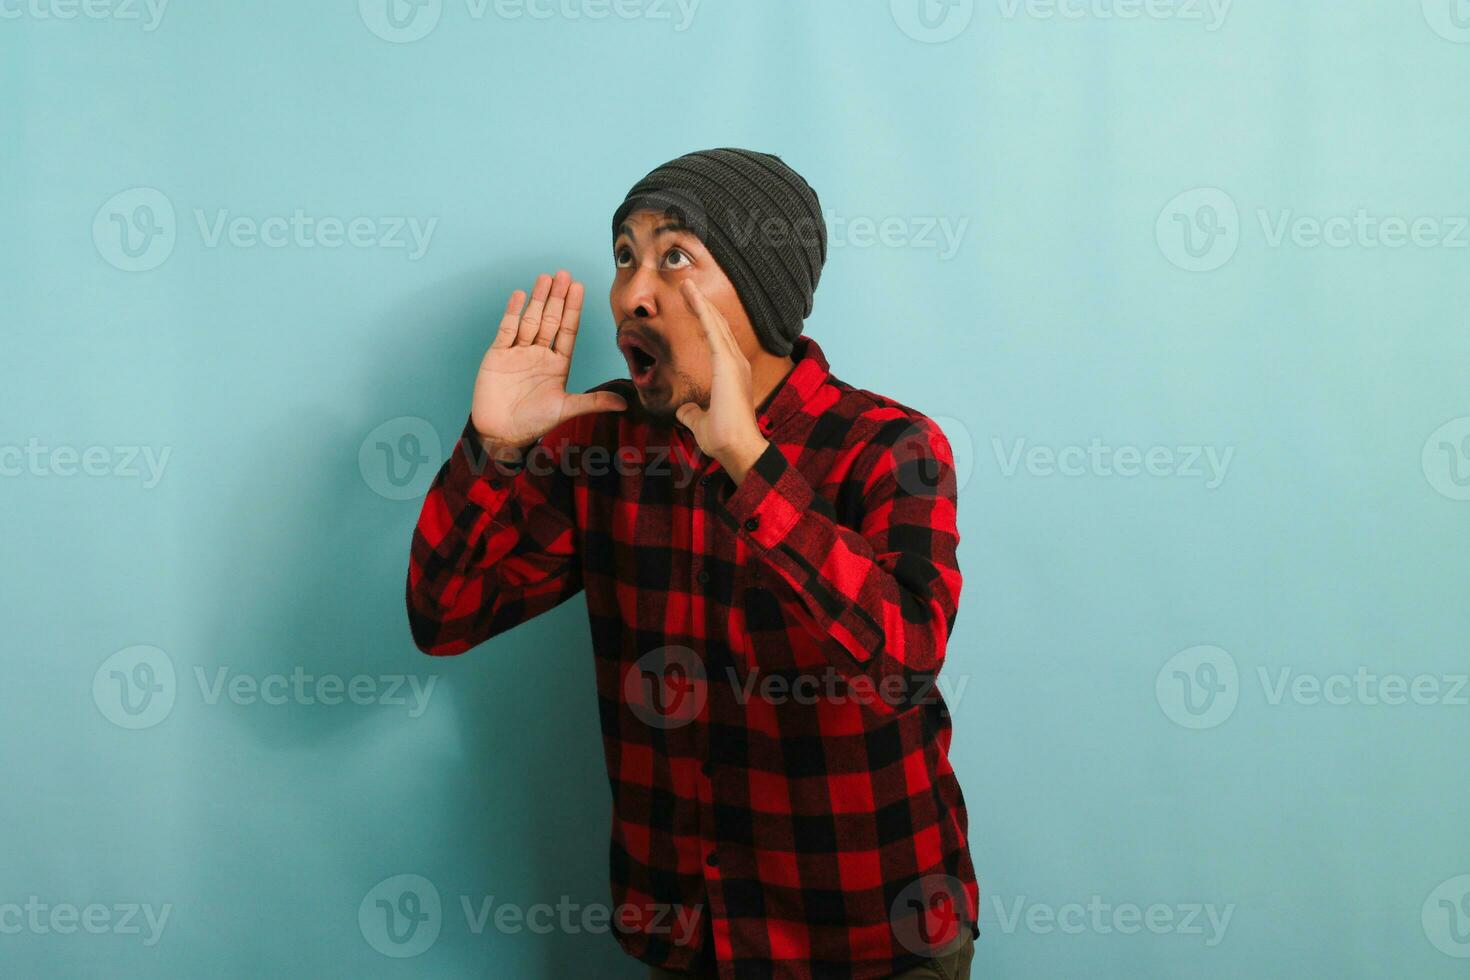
(650, 223)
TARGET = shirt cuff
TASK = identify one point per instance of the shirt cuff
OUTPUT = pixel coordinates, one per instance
(474, 476)
(770, 500)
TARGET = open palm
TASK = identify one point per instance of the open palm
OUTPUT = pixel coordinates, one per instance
(521, 387)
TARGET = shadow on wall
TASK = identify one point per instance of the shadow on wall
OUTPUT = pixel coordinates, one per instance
(488, 778)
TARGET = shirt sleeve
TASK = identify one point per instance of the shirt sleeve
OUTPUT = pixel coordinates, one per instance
(886, 590)
(495, 544)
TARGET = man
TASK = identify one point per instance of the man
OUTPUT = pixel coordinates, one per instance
(768, 556)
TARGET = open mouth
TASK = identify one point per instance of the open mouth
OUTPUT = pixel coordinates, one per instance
(642, 362)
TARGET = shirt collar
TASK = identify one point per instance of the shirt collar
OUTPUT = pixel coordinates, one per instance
(800, 385)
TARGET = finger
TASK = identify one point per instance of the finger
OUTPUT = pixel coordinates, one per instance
(724, 355)
(593, 401)
(531, 319)
(716, 328)
(689, 415)
(566, 337)
(694, 299)
(505, 335)
(551, 316)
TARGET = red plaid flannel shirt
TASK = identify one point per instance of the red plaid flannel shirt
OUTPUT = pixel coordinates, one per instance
(766, 654)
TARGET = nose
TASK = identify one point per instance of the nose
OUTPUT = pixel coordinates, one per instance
(639, 295)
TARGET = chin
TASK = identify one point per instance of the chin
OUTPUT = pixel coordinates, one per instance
(658, 405)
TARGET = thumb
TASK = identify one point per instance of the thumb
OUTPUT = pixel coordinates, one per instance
(593, 401)
(689, 415)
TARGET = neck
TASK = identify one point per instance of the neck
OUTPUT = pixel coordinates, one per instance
(766, 374)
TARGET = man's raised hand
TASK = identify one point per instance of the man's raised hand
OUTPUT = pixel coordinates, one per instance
(727, 430)
(521, 387)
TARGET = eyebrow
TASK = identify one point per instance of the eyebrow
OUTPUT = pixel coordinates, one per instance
(674, 225)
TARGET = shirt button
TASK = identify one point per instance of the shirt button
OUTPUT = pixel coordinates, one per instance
(712, 860)
(751, 523)
(702, 578)
(704, 480)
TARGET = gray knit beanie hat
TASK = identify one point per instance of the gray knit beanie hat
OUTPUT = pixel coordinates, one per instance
(759, 219)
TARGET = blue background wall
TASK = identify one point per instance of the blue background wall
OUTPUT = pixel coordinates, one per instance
(1131, 285)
